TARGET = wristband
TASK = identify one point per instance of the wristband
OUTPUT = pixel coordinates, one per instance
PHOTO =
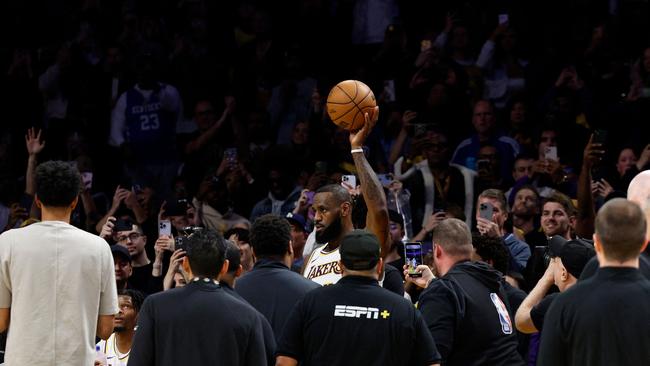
(358, 150)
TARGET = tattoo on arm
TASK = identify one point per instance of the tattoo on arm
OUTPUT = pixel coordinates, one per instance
(373, 194)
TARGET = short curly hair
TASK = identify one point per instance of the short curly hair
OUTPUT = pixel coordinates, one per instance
(58, 183)
(270, 236)
(492, 249)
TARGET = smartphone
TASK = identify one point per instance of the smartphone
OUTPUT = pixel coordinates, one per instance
(122, 225)
(425, 44)
(310, 197)
(483, 164)
(230, 155)
(600, 136)
(550, 153)
(385, 179)
(486, 210)
(87, 179)
(179, 243)
(419, 129)
(350, 180)
(164, 228)
(413, 257)
(503, 18)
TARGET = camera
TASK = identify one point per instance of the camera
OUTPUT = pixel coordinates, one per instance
(180, 241)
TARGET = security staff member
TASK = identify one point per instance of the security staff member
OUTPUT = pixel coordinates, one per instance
(356, 322)
(466, 308)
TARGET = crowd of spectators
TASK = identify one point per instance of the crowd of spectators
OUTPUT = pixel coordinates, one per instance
(213, 114)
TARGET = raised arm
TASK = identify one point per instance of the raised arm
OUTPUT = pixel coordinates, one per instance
(523, 319)
(373, 192)
(34, 146)
(586, 212)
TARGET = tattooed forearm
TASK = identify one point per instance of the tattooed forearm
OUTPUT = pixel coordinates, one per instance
(373, 194)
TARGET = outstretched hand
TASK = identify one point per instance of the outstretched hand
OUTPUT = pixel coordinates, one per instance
(358, 138)
(33, 141)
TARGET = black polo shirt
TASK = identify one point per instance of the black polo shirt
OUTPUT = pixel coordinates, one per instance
(199, 324)
(273, 289)
(356, 322)
(592, 266)
(603, 320)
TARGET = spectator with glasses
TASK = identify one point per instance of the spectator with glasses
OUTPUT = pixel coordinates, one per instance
(132, 238)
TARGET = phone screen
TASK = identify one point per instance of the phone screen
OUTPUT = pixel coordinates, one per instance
(550, 153)
(486, 210)
(384, 179)
(413, 257)
(164, 228)
(231, 155)
(600, 136)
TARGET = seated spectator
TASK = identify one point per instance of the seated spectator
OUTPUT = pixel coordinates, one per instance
(522, 172)
(494, 227)
(204, 148)
(214, 206)
(488, 175)
(558, 218)
(504, 70)
(525, 215)
(282, 196)
(123, 266)
(434, 183)
(521, 129)
(299, 233)
(133, 239)
(484, 120)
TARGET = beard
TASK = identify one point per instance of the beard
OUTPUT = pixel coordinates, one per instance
(119, 329)
(330, 232)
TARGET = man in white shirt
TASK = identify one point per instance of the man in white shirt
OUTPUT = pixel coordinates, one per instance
(57, 282)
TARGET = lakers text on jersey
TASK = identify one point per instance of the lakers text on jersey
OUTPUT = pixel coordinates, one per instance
(323, 266)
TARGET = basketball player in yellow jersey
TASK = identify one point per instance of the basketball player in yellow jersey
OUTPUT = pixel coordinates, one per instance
(333, 212)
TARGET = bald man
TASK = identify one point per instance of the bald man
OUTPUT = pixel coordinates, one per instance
(638, 192)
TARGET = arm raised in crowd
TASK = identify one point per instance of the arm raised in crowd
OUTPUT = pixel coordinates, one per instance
(34, 146)
(523, 318)
(586, 212)
(205, 137)
(373, 192)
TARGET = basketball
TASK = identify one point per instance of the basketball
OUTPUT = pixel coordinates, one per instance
(347, 103)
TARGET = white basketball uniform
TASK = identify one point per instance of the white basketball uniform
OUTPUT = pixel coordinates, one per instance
(323, 267)
(113, 356)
